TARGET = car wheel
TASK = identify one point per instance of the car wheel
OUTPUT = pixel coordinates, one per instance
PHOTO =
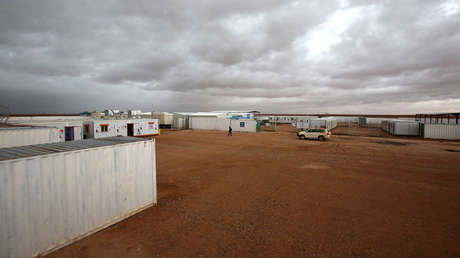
(321, 138)
(302, 137)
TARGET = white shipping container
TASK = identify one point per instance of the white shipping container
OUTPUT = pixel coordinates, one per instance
(318, 123)
(385, 125)
(345, 119)
(222, 124)
(69, 130)
(164, 118)
(328, 123)
(305, 124)
(54, 194)
(406, 128)
(331, 124)
(401, 127)
(438, 131)
(20, 136)
(180, 123)
(109, 128)
(283, 119)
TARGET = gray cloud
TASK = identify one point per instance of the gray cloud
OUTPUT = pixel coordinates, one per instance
(276, 56)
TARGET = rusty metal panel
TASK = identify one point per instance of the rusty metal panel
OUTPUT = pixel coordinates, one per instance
(48, 201)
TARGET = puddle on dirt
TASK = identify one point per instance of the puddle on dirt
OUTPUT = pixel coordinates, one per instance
(167, 186)
(346, 138)
(315, 166)
(393, 143)
(451, 150)
(169, 199)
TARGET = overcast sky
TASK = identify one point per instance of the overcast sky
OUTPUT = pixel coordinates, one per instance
(202, 55)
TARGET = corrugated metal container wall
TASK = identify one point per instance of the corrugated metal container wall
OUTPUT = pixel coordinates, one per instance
(386, 125)
(331, 124)
(405, 128)
(317, 123)
(447, 132)
(180, 123)
(401, 128)
(222, 124)
(305, 124)
(164, 118)
(11, 137)
(345, 119)
(60, 125)
(51, 200)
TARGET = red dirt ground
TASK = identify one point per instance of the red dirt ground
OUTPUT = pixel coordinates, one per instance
(271, 195)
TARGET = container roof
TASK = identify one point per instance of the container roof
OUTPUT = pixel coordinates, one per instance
(51, 148)
(19, 126)
(2, 125)
(211, 114)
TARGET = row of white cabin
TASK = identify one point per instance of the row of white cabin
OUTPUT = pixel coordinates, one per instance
(401, 127)
(57, 188)
(425, 130)
(56, 193)
(38, 131)
(308, 123)
(338, 119)
(431, 128)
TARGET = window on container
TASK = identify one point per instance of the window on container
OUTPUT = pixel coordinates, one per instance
(105, 128)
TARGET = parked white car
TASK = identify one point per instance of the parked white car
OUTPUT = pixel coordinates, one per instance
(316, 134)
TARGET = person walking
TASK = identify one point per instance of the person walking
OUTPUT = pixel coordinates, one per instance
(229, 130)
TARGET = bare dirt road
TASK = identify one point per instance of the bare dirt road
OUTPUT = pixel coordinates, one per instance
(271, 195)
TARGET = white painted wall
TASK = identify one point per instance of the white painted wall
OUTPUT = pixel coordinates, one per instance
(164, 118)
(142, 127)
(20, 136)
(60, 125)
(329, 123)
(222, 124)
(401, 127)
(115, 128)
(145, 127)
(51, 200)
(406, 128)
(438, 131)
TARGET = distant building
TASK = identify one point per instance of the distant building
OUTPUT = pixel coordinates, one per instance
(133, 113)
(108, 112)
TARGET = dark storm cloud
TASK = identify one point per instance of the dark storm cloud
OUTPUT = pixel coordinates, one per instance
(292, 56)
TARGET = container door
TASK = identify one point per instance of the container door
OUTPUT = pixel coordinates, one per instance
(69, 133)
(86, 131)
(130, 129)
